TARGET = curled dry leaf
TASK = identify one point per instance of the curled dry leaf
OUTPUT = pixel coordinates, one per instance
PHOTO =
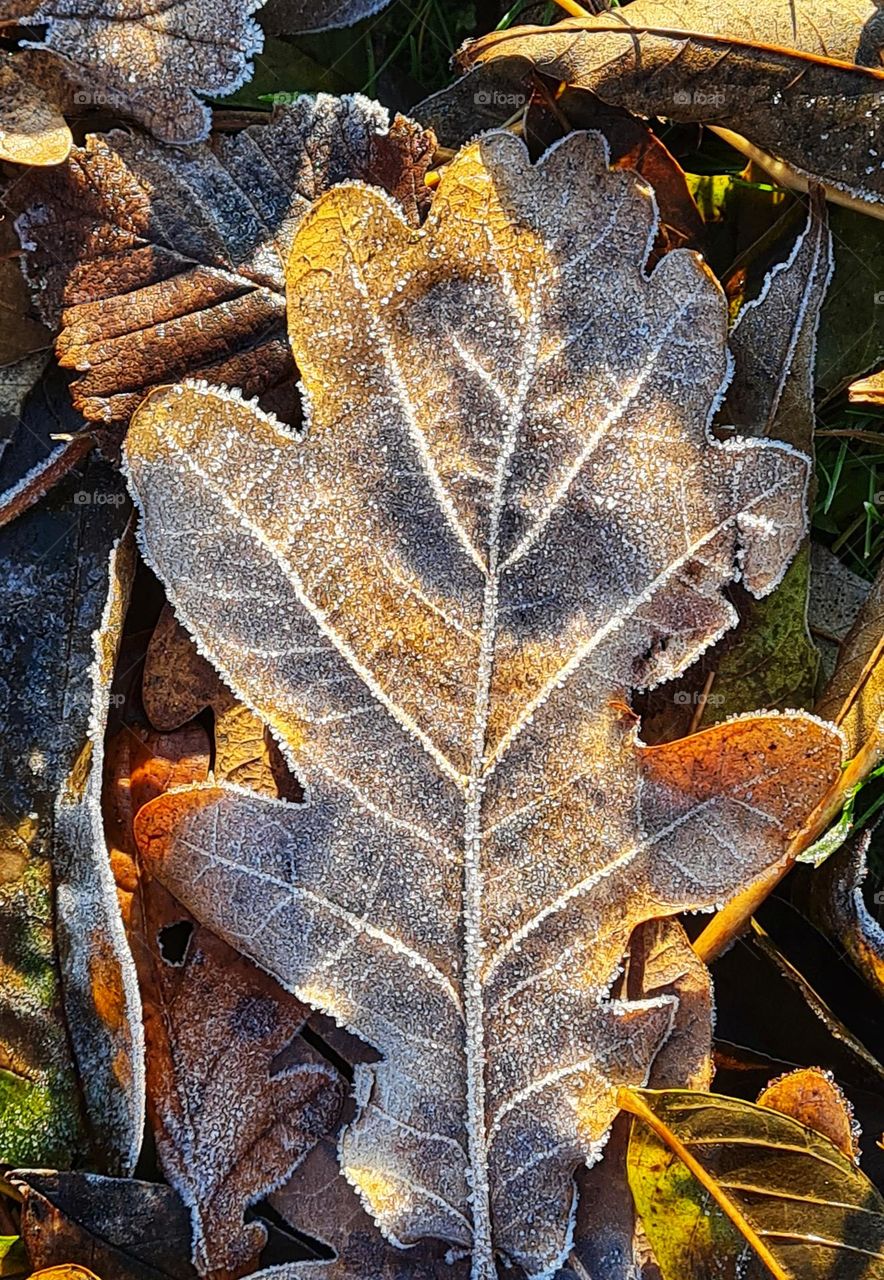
(162, 263)
(811, 1096)
(836, 902)
(854, 697)
(147, 59)
(817, 1216)
(445, 673)
(32, 124)
(101, 997)
(781, 74)
(55, 910)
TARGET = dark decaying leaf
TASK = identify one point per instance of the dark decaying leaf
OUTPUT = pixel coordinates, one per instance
(229, 1121)
(56, 965)
(121, 1228)
(487, 393)
(149, 59)
(291, 16)
(162, 263)
(778, 73)
(836, 597)
(835, 900)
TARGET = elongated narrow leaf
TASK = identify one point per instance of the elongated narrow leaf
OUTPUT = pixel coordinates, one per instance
(782, 74)
(500, 519)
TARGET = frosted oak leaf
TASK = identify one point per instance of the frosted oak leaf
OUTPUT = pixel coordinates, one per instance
(506, 510)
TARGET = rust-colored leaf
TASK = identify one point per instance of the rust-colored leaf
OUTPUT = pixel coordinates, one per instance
(812, 1097)
(229, 1123)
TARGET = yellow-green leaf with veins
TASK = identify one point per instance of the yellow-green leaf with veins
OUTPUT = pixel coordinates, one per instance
(803, 1206)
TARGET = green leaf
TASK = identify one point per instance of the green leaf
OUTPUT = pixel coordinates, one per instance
(804, 1208)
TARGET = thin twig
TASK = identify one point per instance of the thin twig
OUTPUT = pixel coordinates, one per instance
(783, 174)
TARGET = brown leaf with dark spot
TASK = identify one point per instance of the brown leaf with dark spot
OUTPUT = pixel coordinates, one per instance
(161, 264)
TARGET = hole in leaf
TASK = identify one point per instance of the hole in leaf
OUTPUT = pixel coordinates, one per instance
(174, 940)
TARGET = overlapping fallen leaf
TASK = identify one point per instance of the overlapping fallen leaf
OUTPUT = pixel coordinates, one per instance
(802, 81)
(429, 653)
(148, 61)
(160, 264)
(69, 1090)
(800, 1202)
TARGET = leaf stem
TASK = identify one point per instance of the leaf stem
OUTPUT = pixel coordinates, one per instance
(575, 10)
(784, 174)
(730, 922)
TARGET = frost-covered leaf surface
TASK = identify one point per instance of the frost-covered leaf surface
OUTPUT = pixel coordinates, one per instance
(854, 697)
(500, 519)
(150, 60)
(292, 16)
(161, 263)
(802, 81)
(32, 126)
(55, 575)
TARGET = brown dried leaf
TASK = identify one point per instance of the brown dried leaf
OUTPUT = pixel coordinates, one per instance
(163, 263)
(122, 1229)
(32, 125)
(781, 74)
(854, 697)
(483, 830)
(149, 59)
(811, 1096)
(229, 1124)
(179, 683)
(319, 1201)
